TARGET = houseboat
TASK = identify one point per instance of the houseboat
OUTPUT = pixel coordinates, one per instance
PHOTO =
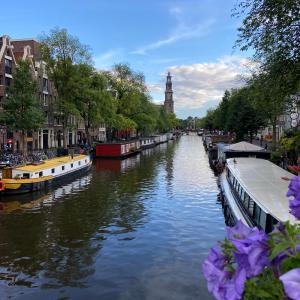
(159, 139)
(147, 142)
(254, 192)
(118, 150)
(218, 155)
(37, 176)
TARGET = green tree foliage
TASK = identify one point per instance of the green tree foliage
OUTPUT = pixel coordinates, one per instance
(243, 118)
(235, 113)
(270, 27)
(61, 52)
(21, 109)
(93, 100)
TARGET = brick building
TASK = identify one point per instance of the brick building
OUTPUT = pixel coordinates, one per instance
(50, 135)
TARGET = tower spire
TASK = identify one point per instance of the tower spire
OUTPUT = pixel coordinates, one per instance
(169, 103)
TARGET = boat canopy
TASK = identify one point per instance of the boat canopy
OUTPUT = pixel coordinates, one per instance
(243, 146)
(262, 181)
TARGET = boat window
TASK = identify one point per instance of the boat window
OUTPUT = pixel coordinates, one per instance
(251, 206)
(63, 167)
(71, 165)
(86, 160)
(52, 171)
(79, 163)
(263, 220)
(26, 175)
(246, 200)
(40, 174)
(257, 212)
(241, 193)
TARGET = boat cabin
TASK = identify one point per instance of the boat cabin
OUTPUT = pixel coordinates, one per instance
(55, 167)
(258, 191)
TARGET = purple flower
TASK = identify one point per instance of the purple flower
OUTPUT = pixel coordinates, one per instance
(295, 207)
(251, 251)
(240, 230)
(213, 269)
(291, 283)
(235, 287)
(215, 279)
(294, 187)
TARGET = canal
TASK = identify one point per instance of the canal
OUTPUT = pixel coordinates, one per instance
(132, 229)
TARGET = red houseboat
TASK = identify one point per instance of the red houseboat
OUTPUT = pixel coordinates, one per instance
(118, 149)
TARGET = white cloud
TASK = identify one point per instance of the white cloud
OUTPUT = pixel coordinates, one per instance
(182, 31)
(197, 85)
(107, 59)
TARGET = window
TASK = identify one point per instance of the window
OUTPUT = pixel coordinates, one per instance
(86, 161)
(251, 207)
(45, 85)
(26, 175)
(7, 81)
(8, 66)
(45, 99)
(40, 174)
(63, 167)
(71, 165)
(1, 79)
(246, 201)
(79, 163)
(257, 212)
(52, 171)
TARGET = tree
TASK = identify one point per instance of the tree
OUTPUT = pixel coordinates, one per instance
(243, 119)
(21, 108)
(93, 100)
(61, 51)
(270, 27)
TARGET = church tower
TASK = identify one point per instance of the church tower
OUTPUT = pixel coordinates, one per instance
(169, 103)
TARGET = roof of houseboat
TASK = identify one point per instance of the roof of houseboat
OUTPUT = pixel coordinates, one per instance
(50, 163)
(243, 147)
(262, 180)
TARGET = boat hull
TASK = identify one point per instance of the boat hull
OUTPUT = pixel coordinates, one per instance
(21, 186)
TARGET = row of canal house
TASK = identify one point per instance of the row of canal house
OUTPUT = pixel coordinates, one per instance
(50, 135)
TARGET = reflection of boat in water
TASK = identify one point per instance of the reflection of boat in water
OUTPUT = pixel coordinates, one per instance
(36, 200)
(117, 165)
(35, 177)
(254, 192)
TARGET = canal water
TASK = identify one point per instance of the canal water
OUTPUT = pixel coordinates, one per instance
(132, 229)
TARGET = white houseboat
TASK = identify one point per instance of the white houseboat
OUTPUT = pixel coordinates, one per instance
(147, 142)
(255, 193)
(34, 177)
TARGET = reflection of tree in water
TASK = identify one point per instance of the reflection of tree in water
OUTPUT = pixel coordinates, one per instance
(58, 243)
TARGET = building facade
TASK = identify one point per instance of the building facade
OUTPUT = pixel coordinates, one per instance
(169, 102)
(50, 135)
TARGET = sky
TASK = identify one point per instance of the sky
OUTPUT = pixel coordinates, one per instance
(193, 39)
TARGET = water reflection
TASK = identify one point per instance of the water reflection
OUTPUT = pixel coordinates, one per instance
(133, 230)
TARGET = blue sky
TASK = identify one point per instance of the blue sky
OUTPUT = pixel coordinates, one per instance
(192, 39)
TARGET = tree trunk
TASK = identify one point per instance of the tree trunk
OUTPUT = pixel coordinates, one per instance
(87, 133)
(274, 137)
(24, 142)
(65, 137)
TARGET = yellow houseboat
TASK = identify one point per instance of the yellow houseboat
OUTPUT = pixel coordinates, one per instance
(37, 176)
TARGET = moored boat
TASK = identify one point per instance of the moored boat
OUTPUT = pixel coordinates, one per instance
(147, 142)
(38, 176)
(255, 193)
(118, 149)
